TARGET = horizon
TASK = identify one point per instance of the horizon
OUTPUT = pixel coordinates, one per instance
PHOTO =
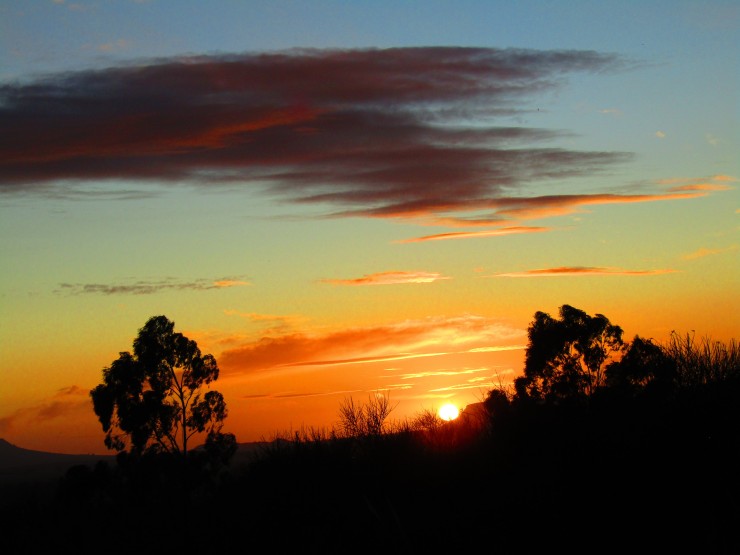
(340, 199)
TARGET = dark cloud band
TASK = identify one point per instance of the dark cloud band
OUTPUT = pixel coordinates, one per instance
(393, 132)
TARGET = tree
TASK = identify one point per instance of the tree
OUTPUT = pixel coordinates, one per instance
(153, 400)
(645, 366)
(358, 420)
(566, 357)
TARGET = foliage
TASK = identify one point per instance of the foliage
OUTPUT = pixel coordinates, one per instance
(644, 367)
(566, 357)
(703, 362)
(365, 420)
(427, 420)
(152, 400)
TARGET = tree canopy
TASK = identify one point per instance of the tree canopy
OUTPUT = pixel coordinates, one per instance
(566, 357)
(157, 397)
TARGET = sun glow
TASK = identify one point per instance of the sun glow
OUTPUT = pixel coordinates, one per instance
(448, 412)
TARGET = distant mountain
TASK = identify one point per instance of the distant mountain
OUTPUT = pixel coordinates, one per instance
(27, 465)
(18, 464)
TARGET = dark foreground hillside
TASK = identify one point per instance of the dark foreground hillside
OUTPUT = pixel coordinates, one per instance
(614, 476)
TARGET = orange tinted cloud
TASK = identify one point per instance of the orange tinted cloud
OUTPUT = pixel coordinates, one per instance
(475, 234)
(583, 271)
(409, 339)
(509, 209)
(703, 252)
(258, 317)
(223, 283)
(390, 278)
(67, 401)
(559, 205)
(713, 183)
(702, 187)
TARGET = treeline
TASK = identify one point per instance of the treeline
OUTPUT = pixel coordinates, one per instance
(601, 446)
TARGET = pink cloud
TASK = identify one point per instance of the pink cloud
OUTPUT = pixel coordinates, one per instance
(583, 271)
(390, 278)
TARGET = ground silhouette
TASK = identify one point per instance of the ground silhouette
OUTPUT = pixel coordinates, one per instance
(628, 467)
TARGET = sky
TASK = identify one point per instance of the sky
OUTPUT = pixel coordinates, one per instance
(337, 199)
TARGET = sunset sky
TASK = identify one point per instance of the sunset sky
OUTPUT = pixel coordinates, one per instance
(338, 198)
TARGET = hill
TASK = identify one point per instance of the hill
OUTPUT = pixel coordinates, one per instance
(19, 465)
(26, 465)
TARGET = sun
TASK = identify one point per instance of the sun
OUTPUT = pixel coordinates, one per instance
(448, 412)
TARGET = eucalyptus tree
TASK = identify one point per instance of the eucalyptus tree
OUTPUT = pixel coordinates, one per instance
(566, 357)
(156, 398)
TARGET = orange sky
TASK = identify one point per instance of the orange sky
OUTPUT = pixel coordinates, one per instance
(335, 203)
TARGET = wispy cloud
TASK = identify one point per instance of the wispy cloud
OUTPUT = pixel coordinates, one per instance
(476, 234)
(228, 282)
(390, 278)
(271, 323)
(713, 183)
(120, 44)
(408, 133)
(583, 271)
(259, 317)
(429, 337)
(704, 252)
(388, 132)
(148, 287)
(65, 402)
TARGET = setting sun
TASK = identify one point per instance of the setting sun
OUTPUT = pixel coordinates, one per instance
(448, 412)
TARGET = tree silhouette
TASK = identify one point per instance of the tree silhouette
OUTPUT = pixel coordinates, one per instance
(566, 357)
(644, 367)
(152, 401)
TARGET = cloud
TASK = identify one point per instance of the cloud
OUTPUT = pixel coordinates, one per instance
(258, 317)
(409, 339)
(475, 234)
(583, 271)
(65, 402)
(704, 252)
(393, 132)
(272, 323)
(702, 187)
(225, 283)
(390, 278)
(148, 287)
(528, 208)
(119, 44)
(713, 183)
